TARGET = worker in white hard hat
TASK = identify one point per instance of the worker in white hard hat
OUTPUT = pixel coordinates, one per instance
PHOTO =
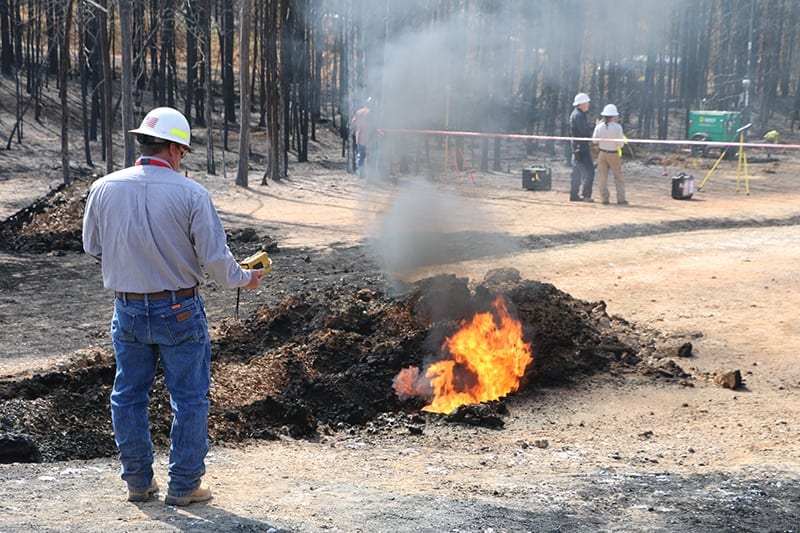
(608, 135)
(155, 232)
(582, 164)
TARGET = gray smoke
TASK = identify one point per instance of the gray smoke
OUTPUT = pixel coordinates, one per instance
(427, 227)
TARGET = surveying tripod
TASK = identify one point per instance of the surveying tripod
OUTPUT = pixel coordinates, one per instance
(741, 166)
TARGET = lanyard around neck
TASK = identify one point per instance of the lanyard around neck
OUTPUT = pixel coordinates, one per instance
(153, 161)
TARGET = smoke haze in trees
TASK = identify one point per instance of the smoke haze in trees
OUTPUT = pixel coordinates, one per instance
(455, 71)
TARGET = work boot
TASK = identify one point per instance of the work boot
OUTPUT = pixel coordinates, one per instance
(200, 494)
(142, 495)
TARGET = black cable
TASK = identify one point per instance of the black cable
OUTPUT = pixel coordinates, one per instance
(238, 293)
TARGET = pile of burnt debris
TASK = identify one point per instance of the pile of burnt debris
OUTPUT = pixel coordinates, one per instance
(51, 224)
(324, 360)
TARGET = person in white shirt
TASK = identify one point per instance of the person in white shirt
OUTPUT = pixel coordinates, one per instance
(609, 137)
(155, 232)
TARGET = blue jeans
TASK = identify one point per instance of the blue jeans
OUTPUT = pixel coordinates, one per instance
(361, 155)
(176, 332)
(582, 174)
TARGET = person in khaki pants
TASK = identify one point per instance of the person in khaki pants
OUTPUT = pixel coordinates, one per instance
(609, 137)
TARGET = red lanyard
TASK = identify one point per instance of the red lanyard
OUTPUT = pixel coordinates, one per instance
(152, 161)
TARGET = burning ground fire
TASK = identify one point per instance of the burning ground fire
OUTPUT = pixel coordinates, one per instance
(487, 358)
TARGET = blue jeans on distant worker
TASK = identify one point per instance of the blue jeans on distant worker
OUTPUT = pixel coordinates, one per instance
(361, 155)
(176, 332)
(582, 175)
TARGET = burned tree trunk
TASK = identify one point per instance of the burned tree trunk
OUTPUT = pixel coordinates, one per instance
(194, 87)
(65, 27)
(83, 60)
(7, 60)
(302, 35)
(208, 94)
(126, 89)
(105, 56)
(275, 106)
(347, 77)
(244, 93)
(167, 50)
(772, 35)
(227, 46)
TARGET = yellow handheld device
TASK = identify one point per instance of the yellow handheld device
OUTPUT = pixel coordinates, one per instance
(259, 260)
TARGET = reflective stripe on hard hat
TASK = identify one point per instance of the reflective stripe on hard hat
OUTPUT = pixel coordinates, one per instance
(179, 133)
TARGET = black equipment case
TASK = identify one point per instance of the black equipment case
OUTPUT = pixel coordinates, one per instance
(682, 186)
(536, 178)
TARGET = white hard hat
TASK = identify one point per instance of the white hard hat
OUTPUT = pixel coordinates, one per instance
(580, 98)
(610, 111)
(167, 124)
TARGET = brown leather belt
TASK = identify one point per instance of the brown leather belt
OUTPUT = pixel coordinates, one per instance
(163, 295)
(608, 151)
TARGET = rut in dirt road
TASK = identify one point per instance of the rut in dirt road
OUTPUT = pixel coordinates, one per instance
(627, 231)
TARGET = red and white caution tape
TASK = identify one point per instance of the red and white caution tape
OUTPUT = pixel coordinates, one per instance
(519, 136)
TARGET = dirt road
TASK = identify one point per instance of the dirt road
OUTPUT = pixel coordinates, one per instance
(607, 454)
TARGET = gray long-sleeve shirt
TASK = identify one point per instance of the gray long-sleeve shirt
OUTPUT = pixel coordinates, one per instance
(155, 230)
(609, 136)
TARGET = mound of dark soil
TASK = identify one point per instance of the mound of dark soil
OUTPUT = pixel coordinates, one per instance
(326, 359)
(50, 224)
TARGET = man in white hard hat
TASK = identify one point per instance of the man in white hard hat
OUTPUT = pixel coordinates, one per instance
(155, 231)
(610, 138)
(582, 164)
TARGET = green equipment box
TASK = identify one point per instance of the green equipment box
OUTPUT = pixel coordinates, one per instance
(714, 126)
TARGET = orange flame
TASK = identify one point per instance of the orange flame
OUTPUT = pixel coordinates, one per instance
(487, 363)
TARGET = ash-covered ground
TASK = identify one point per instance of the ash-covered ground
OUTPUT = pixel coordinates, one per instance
(317, 356)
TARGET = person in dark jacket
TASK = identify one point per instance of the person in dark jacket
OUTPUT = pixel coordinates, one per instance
(582, 164)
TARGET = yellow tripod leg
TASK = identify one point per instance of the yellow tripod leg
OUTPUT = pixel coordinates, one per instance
(713, 168)
(739, 165)
(746, 175)
(741, 168)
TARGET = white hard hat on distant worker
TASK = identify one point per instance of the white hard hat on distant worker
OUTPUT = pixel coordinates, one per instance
(167, 124)
(581, 98)
(610, 111)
